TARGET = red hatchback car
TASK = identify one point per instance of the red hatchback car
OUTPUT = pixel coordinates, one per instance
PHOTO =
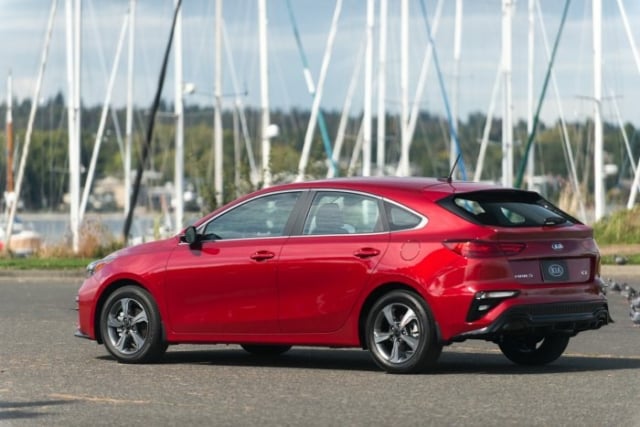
(398, 266)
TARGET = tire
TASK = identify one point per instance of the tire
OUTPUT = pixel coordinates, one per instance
(400, 333)
(131, 327)
(266, 350)
(533, 350)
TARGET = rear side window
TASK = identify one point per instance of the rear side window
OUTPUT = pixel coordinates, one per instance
(400, 218)
(339, 212)
(506, 208)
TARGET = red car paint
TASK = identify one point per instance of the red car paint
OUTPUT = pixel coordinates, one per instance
(305, 289)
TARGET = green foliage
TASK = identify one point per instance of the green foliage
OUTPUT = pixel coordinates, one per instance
(46, 177)
(38, 263)
(620, 227)
(632, 259)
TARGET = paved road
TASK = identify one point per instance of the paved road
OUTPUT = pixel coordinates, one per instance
(48, 377)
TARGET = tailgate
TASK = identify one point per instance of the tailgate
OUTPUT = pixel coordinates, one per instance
(553, 254)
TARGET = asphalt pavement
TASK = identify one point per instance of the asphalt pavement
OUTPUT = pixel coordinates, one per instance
(49, 377)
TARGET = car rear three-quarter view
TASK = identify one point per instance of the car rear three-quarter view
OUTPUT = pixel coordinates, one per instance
(399, 266)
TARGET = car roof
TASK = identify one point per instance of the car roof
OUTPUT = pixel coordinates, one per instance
(393, 184)
(400, 189)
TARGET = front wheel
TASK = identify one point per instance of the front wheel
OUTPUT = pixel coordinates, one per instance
(400, 333)
(533, 350)
(131, 327)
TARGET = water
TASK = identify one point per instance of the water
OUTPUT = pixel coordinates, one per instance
(55, 227)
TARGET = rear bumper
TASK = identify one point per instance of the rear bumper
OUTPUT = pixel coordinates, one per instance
(567, 318)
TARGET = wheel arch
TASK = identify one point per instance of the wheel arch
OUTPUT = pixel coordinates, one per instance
(110, 289)
(373, 297)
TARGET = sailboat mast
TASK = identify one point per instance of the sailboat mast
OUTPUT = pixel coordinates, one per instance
(507, 127)
(530, 63)
(635, 187)
(73, 42)
(129, 112)
(179, 113)
(457, 47)
(598, 163)
(103, 122)
(32, 117)
(264, 93)
(217, 119)
(8, 195)
(382, 89)
(368, 77)
(404, 87)
(316, 112)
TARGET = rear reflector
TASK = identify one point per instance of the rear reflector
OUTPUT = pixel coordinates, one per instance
(484, 249)
(485, 301)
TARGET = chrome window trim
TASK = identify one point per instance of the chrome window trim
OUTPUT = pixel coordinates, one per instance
(423, 219)
(341, 190)
(202, 226)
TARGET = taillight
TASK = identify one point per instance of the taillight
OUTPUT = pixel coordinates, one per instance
(483, 248)
(590, 245)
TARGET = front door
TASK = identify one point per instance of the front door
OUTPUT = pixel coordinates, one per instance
(227, 284)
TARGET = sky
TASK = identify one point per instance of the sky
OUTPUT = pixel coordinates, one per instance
(24, 22)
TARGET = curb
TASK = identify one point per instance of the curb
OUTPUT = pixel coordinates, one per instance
(10, 273)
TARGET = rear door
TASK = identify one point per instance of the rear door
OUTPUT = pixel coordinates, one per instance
(323, 269)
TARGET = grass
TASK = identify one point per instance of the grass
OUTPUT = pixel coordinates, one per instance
(38, 263)
(96, 241)
(621, 227)
(631, 259)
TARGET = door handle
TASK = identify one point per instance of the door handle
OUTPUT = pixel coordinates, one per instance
(262, 255)
(366, 252)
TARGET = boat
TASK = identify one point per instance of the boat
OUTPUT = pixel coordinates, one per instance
(25, 241)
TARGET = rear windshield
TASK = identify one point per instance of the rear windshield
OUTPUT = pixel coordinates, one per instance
(506, 208)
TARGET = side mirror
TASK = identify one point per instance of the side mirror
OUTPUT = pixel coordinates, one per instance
(191, 235)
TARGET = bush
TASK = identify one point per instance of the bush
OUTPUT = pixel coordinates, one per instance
(620, 227)
(96, 241)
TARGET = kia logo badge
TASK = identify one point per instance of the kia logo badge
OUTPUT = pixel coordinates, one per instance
(556, 270)
(557, 246)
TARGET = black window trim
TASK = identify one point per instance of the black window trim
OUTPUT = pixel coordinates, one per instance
(423, 219)
(449, 204)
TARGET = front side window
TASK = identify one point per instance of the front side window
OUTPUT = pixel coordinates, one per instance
(337, 212)
(265, 216)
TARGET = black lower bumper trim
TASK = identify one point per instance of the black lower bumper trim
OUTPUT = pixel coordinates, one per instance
(558, 318)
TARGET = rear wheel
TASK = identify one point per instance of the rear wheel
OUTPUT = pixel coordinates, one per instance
(266, 350)
(131, 327)
(400, 333)
(533, 350)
